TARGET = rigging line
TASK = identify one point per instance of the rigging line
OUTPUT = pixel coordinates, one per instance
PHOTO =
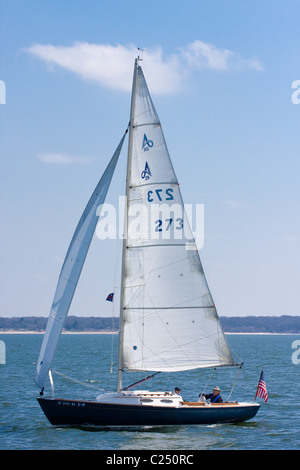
(116, 273)
(143, 297)
(236, 379)
(210, 376)
(129, 387)
(222, 333)
(234, 354)
(74, 380)
(113, 304)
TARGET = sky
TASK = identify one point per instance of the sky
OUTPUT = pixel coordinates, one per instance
(225, 80)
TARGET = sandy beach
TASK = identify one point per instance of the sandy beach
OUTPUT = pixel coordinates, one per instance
(32, 332)
(95, 332)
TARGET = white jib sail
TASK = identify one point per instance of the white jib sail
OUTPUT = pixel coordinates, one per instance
(71, 270)
(168, 318)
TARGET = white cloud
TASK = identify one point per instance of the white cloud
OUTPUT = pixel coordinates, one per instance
(235, 204)
(62, 158)
(111, 66)
(204, 55)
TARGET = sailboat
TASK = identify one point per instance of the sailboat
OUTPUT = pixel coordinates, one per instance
(168, 319)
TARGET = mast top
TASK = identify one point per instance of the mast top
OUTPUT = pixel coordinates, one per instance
(138, 57)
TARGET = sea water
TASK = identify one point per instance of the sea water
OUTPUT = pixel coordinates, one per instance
(89, 358)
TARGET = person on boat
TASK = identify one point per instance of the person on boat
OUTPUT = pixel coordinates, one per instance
(177, 390)
(214, 397)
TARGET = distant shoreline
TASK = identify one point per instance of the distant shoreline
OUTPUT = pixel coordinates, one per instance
(285, 324)
(32, 332)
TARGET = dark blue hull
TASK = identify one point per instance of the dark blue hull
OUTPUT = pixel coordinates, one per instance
(80, 412)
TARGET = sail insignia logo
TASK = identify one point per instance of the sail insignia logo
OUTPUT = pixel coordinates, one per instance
(146, 173)
(147, 144)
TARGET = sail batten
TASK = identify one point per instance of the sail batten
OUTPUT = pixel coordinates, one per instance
(71, 269)
(168, 319)
(146, 124)
(169, 308)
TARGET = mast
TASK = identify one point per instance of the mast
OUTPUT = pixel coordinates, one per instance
(130, 141)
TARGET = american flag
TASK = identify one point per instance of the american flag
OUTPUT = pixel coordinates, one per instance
(261, 391)
(110, 297)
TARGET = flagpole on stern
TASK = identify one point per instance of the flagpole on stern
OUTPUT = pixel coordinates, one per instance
(258, 383)
(261, 390)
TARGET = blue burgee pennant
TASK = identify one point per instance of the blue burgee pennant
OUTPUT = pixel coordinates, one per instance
(110, 297)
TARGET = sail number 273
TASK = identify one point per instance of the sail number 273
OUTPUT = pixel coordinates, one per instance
(160, 195)
(168, 222)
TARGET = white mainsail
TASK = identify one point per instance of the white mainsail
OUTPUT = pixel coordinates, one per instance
(71, 269)
(168, 320)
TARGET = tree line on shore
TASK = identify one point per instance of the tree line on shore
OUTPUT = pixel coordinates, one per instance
(251, 324)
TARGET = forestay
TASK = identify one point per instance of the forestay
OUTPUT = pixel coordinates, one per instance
(168, 319)
(71, 269)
